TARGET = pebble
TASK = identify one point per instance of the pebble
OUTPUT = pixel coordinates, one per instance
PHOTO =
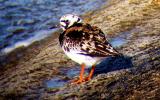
(13, 4)
(16, 29)
(26, 21)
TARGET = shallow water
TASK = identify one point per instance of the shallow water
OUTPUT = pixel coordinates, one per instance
(122, 38)
(55, 82)
(24, 19)
(118, 41)
(69, 73)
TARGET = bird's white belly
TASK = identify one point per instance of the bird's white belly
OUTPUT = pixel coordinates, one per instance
(87, 60)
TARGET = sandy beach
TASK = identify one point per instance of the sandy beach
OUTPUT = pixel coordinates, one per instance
(35, 71)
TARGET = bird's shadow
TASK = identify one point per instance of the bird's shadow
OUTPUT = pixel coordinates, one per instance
(112, 64)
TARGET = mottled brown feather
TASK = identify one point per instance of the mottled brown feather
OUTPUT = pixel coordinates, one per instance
(89, 40)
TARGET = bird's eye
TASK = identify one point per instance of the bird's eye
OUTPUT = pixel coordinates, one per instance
(67, 21)
(78, 19)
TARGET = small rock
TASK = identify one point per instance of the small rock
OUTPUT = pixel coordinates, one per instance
(26, 21)
(26, 9)
(16, 29)
(11, 4)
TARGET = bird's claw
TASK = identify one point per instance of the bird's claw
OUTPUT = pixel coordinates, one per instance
(79, 81)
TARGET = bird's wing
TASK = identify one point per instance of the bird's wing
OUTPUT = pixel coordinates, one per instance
(91, 41)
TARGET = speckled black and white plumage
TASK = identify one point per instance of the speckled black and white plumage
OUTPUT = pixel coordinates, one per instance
(86, 44)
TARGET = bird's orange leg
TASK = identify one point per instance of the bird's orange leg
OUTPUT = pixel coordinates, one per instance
(91, 73)
(81, 79)
(82, 72)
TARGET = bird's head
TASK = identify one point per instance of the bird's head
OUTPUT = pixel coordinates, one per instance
(68, 20)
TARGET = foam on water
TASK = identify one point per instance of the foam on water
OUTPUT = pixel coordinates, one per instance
(39, 36)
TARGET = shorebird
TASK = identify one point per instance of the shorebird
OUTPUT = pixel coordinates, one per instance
(84, 44)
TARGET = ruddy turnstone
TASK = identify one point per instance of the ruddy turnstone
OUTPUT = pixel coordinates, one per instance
(84, 44)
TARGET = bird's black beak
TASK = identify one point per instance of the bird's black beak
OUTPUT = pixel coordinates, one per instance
(54, 26)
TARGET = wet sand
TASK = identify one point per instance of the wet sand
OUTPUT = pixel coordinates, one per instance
(133, 76)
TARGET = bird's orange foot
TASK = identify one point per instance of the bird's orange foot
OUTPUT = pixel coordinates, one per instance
(79, 81)
(76, 81)
(81, 78)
